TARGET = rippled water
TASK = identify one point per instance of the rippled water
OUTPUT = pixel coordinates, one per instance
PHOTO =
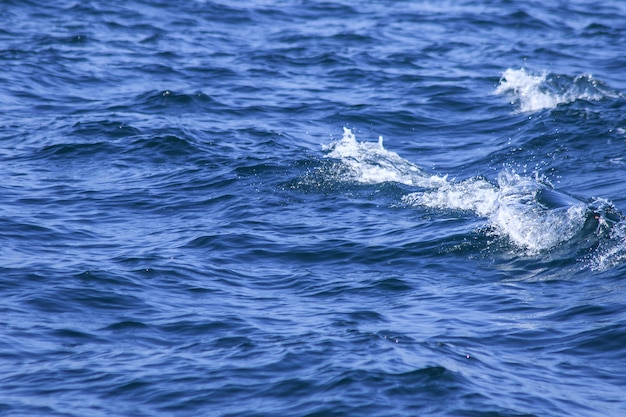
(313, 208)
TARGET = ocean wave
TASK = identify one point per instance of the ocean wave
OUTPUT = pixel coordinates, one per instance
(532, 92)
(523, 209)
(371, 163)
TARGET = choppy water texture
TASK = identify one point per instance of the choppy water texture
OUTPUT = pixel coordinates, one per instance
(310, 208)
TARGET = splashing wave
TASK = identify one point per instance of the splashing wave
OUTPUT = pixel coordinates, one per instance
(537, 91)
(526, 210)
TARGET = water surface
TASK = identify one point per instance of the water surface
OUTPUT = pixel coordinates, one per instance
(313, 208)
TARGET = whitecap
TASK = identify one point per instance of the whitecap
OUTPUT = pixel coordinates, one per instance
(537, 91)
(526, 222)
(526, 89)
(523, 209)
(371, 163)
(511, 209)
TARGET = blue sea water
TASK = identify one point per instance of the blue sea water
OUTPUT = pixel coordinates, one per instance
(313, 208)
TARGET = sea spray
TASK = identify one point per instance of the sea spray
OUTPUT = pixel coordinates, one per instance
(371, 163)
(511, 205)
(532, 92)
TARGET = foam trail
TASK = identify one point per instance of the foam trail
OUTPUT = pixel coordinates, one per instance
(476, 195)
(533, 92)
(611, 252)
(525, 210)
(511, 208)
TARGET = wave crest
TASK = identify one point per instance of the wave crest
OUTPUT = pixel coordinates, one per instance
(538, 91)
(525, 210)
(371, 163)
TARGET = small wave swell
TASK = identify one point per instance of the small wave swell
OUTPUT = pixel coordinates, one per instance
(523, 209)
(537, 91)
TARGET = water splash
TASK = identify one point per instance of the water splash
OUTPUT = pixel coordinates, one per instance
(371, 163)
(529, 224)
(538, 91)
(525, 210)
(475, 194)
(612, 250)
(512, 209)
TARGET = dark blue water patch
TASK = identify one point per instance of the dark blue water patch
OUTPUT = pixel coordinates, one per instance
(172, 103)
(108, 128)
(60, 152)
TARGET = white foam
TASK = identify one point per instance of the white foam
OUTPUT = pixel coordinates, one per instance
(371, 163)
(521, 218)
(535, 92)
(526, 88)
(476, 195)
(510, 206)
